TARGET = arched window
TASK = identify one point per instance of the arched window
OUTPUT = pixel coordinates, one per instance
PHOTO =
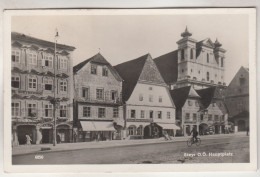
(191, 53)
(207, 58)
(182, 54)
(139, 130)
(131, 130)
(207, 76)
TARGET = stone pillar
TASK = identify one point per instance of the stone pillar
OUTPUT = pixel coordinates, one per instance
(15, 137)
(38, 135)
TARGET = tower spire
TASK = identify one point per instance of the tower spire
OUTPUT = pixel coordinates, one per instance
(217, 44)
(186, 33)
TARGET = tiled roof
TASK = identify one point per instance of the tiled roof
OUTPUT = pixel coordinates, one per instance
(130, 72)
(168, 66)
(180, 95)
(25, 38)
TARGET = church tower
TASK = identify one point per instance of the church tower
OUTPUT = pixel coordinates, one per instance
(200, 64)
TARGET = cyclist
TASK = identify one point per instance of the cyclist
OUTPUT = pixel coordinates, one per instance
(194, 133)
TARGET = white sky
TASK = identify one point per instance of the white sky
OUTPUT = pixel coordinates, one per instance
(122, 38)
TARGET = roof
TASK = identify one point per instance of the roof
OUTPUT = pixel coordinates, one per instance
(25, 38)
(137, 70)
(99, 59)
(168, 66)
(180, 95)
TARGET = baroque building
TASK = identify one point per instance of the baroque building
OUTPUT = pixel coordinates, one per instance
(148, 107)
(98, 110)
(237, 100)
(34, 74)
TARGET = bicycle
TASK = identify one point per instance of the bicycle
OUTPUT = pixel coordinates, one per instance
(191, 141)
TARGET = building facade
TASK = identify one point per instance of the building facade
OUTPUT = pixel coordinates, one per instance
(237, 100)
(98, 110)
(148, 107)
(34, 74)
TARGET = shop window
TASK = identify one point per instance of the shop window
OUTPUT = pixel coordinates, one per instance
(86, 111)
(48, 110)
(131, 130)
(15, 109)
(63, 111)
(15, 56)
(115, 112)
(15, 82)
(139, 130)
(101, 112)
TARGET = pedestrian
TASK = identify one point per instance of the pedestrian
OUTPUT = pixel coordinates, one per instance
(28, 140)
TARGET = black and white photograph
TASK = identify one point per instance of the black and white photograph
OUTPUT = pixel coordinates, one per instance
(142, 87)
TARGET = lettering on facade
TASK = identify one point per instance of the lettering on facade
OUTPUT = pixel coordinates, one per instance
(29, 92)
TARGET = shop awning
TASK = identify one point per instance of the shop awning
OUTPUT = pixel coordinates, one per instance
(97, 126)
(168, 126)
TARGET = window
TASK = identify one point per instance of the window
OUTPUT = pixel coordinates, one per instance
(197, 104)
(151, 114)
(16, 56)
(187, 117)
(32, 83)
(32, 59)
(115, 112)
(86, 111)
(210, 117)
(113, 95)
(132, 113)
(159, 113)
(100, 94)
(93, 69)
(48, 84)
(48, 110)
(194, 117)
(131, 130)
(139, 130)
(189, 102)
(207, 58)
(182, 54)
(160, 99)
(191, 53)
(142, 113)
(48, 61)
(85, 92)
(32, 110)
(222, 62)
(150, 98)
(15, 82)
(216, 117)
(63, 111)
(63, 86)
(101, 112)
(168, 115)
(63, 63)
(207, 76)
(16, 109)
(242, 81)
(222, 118)
(141, 98)
(104, 71)
(201, 117)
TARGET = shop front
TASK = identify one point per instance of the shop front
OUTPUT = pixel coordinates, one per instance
(169, 128)
(96, 131)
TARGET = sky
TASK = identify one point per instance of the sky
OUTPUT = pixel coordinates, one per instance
(120, 38)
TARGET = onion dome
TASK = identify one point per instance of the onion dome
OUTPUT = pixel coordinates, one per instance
(186, 33)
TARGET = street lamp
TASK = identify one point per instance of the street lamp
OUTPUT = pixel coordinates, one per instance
(55, 101)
